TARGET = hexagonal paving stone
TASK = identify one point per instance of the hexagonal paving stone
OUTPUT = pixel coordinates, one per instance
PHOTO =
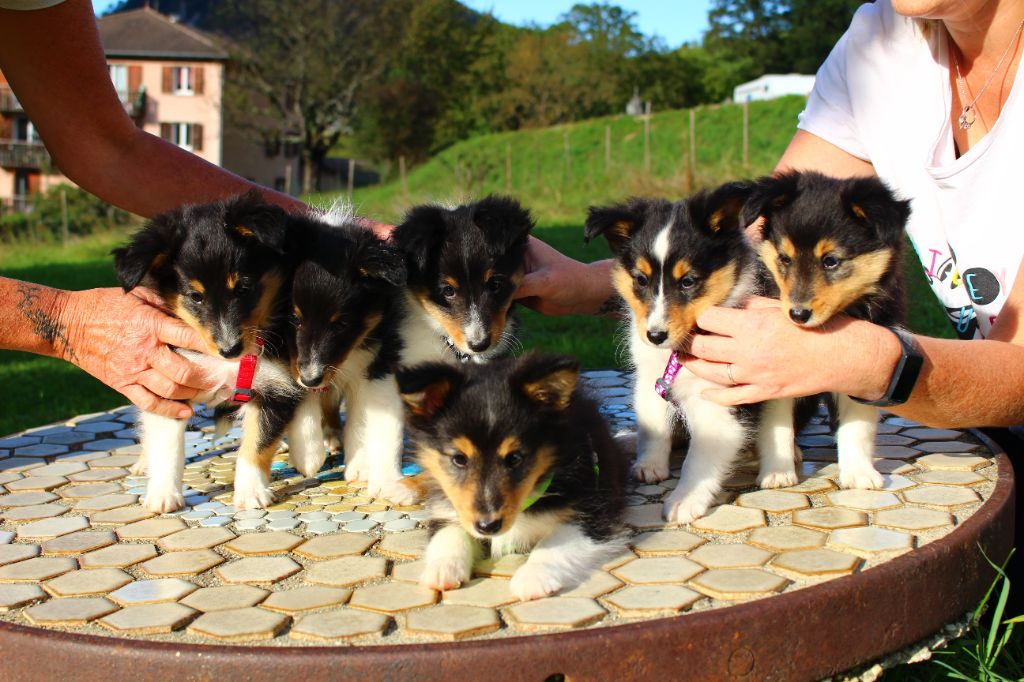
(952, 461)
(105, 502)
(599, 583)
(499, 567)
(58, 469)
(773, 501)
(946, 497)
(863, 500)
(334, 546)
(149, 619)
(68, 612)
(865, 541)
(392, 597)
(74, 544)
(121, 515)
(950, 477)
(153, 591)
(82, 492)
(35, 512)
(17, 596)
(656, 570)
(646, 517)
(190, 563)
(225, 598)
(738, 583)
(816, 562)
(893, 466)
(346, 571)
(829, 518)
(485, 592)
(118, 556)
(306, 598)
(665, 542)
(36, 570)
(258, 570)
(730, 556)
(410, 545)
(10, 554)
(555, 613)
(194, 538)
(913, 519)
(25, 499)
(786, 538)
(452, 622)
(41, 450)
(239, 624)
(151, 529)
(407, 572)
(51, 528)
(729, 518)
(36, 483)
(277, 542)
(87, 582)
(339, 624)
(639, 601)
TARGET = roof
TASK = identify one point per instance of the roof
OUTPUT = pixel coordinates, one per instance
(147, 34)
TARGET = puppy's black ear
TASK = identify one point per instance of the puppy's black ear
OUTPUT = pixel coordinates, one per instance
(721, 210)
(378, 260)
(427, 390)
(505, 222)
(768, 195)
(617, 223)
(250, 217)
(420, 233)
(151, 248)
(870, 202)
(547, 381)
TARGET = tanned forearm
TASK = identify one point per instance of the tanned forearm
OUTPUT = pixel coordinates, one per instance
(33, 322)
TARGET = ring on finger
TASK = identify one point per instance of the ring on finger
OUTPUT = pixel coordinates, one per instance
(728, 373)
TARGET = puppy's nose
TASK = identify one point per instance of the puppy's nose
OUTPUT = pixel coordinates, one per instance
(231, 351)
(311, 378)
(657, 337)
(800, 315)
(480, 345)
(488, 526)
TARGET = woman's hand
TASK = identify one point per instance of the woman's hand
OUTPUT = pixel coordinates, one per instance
(757, 354)
(558, 285)
(122, 340)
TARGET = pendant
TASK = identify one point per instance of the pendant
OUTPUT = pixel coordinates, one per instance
(967, 118)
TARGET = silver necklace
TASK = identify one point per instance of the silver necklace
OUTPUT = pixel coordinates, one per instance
(969, 114)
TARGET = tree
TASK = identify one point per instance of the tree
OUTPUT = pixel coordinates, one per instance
(815, 27)
(297, 68)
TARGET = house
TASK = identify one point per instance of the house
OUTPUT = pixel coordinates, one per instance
(770, 86)
(25, 164)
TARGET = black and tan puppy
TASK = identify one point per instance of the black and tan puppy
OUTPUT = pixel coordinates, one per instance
(347, 307)
(513, 453)
(222, 269)
(833, 246)
(464, 264)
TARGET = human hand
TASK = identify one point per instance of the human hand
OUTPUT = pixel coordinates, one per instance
(558, 285)
(382, 230)
(769, 357)
(122, 340)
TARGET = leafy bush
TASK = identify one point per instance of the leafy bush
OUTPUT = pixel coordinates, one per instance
(86, 214)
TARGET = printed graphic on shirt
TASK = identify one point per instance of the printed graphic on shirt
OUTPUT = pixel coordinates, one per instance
(965, 321)
(982, 286)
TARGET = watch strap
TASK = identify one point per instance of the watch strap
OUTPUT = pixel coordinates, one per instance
(904, 377)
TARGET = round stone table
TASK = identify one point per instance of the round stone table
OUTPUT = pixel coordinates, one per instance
(799, 583)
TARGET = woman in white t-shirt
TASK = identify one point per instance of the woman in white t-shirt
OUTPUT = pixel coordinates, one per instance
(888, 101)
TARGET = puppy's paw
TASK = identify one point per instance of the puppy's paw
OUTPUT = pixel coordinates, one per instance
(356, 469)
(534, 581)
(254, 497)
(684, 508)
(650, 472)
(139, 468)
(308, 463)
(163, 500)
(445, 574)
(396, 492)
(861, 478)
(332, 439)
(777, 479)
(798, 454)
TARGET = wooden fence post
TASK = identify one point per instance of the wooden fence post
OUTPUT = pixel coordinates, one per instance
(693, 148)
(288, 178)
(647, 138)
(64, 216)
(746, 135)
(351, 177)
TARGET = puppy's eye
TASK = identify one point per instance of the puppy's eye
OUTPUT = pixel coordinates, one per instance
(244, 284)
(641, 279)
(513, 459)
(495, 283)
(196, 297)
(785, 260)
(830, 262)
(448, 291)
(296, 321)
(460, 460)
(688, 282)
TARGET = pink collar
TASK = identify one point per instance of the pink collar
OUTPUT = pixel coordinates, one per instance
(663, 385)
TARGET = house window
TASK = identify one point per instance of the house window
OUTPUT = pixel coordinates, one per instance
(119, 77)
(186, 135)
(24, 131)
(182, 80)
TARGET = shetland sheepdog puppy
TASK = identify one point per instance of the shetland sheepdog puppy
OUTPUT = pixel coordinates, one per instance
(514, 455)
(222, 269)
(464, 264)
(674, 261)
(347, 310)
(833, 246)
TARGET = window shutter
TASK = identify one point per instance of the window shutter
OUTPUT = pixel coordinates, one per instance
(5, 128)
(197, 137)
(198, 85)
(165, 131)
(167, 79)
(134, 78)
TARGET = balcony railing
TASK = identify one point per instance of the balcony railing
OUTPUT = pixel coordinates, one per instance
(17, 154)
(8, 101)
(19, 203)
(134, 102)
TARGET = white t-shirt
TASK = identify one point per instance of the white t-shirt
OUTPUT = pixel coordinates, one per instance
(884, 96)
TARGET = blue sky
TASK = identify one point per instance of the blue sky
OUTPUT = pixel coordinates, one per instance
(676, 21)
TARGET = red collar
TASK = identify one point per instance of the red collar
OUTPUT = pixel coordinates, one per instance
(246, 373)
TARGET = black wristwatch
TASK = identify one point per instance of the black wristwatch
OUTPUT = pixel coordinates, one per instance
(904, 376)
